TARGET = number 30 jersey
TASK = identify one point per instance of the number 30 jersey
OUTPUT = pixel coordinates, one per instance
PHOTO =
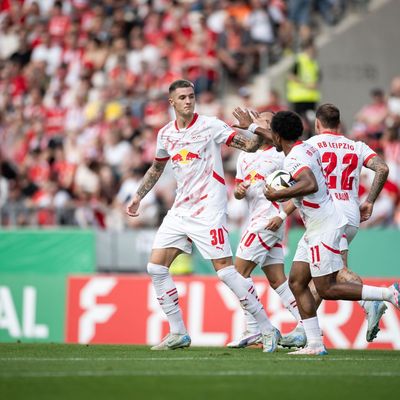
(343, 159)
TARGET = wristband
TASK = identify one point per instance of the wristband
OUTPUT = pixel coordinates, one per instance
(252, 127)
(282, 215)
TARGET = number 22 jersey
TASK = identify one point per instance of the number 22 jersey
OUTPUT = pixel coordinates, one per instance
(343, 159)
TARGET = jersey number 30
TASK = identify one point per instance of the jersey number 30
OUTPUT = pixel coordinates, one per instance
(346, 182)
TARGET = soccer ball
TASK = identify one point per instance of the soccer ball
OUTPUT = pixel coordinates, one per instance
(280, 179)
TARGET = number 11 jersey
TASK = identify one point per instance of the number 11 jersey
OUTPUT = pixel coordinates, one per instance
(343, 159)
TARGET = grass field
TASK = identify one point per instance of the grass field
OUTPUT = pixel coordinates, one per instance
(54, 371)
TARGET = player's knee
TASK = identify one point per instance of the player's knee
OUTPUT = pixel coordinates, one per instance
(156, 270)
(295, 285)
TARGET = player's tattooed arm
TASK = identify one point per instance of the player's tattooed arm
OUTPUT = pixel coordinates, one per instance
(149, 180)
(381, 173)
(250, 145)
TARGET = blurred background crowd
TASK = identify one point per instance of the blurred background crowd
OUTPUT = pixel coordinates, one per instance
(83, 92)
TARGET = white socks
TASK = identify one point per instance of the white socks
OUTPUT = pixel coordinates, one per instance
(313, 331)
(245, 292)
(167, 296)
(288, 299)
(376, 293)
(251, 323)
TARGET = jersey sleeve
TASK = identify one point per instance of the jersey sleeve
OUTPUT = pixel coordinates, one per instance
(161, 153)
(366, 153)
(295, 166)
(222, 132)
(239, 172)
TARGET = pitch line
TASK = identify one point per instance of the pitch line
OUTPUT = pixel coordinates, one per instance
(90, 373)
(288, 357)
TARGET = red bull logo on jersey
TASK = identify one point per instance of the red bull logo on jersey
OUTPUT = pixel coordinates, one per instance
(253, 177)
(184, 157)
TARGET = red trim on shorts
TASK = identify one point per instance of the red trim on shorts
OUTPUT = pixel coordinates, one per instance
(219, 178)
(330, 248)
(344, 236)
(278, 245)
(238, 180)
(309, 204)
(190, 240)
(296, 174)
(263, 243)
(162, 158)
(230, 138)
(368, 158)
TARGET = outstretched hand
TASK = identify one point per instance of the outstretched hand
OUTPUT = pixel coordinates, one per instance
(244, 118)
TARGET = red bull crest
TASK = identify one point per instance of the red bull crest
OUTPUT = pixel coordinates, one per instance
(184, 157)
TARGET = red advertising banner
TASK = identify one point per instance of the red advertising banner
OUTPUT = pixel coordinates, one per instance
(124, 310)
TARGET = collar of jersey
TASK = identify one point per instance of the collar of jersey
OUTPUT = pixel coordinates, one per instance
(192, 122)
(331, 133)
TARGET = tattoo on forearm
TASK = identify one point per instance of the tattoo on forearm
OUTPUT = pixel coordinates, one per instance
(250, 145)
(381, 173)
(150, 178)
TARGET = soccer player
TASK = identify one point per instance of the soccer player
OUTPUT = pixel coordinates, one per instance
(192, 143)
(259, 244)
(343, 160)
(325, 226)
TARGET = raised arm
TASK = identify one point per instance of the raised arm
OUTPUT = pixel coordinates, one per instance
(149, 180)
(250, 145)
(253, 122)
(381, 173)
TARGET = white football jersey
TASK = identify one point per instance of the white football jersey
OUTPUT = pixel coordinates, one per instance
(317, 210)
(254, 168)
(195, 154)
(343, 159)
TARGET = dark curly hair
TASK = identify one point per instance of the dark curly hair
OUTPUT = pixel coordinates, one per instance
(287, 124)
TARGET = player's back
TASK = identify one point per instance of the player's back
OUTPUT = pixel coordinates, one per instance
(317, 209)
(343, 159)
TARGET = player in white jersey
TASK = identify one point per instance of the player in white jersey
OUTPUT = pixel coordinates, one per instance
(259, 245)
(343, 159)
(192, 144)
(325, 226)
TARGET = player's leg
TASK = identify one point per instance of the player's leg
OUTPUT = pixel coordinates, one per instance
(299, 280)
(245, 292)
(373, 309)
(212, 240)
(168, 244)
(252, 333)
(325, 264)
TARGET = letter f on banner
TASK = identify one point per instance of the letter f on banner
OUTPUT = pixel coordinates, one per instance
(94, 313)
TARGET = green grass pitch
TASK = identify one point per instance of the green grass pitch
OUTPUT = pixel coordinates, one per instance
(58, 371)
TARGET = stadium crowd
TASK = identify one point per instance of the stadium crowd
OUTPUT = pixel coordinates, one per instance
(82, 96)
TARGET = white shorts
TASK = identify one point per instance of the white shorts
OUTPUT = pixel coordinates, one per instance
(349, 233)
(321, 251)
(262, 248)
(210, 237)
